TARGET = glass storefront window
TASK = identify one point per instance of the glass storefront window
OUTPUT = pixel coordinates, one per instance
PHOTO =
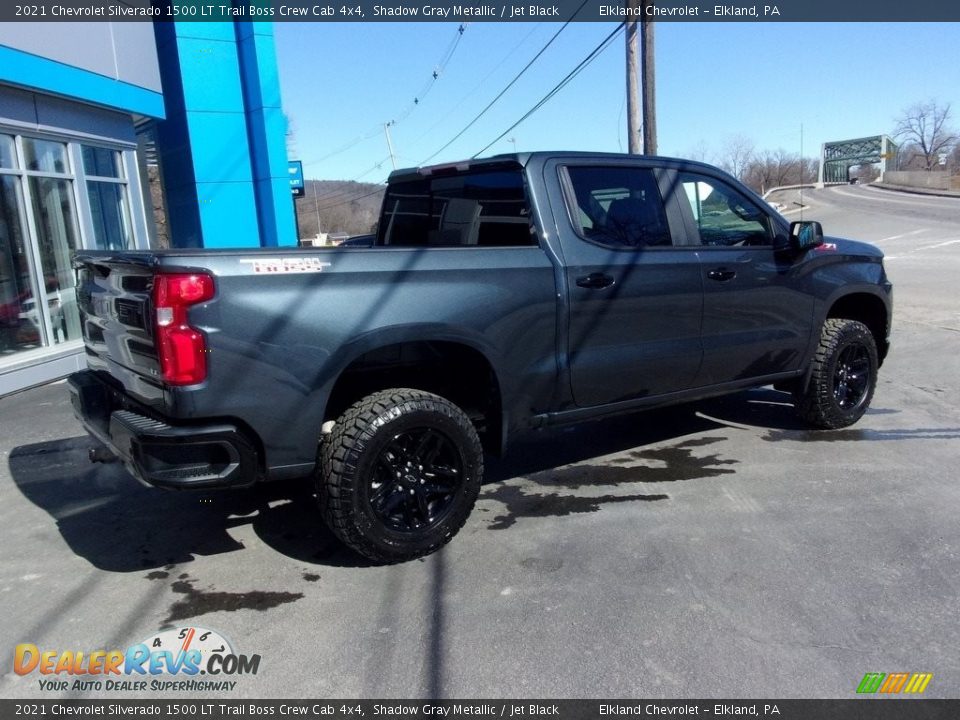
(54, 218)
(56, 196)
(109, 209)
(110, 215)
(19, 325)
(45, 155)
(8, 152)
(101, 162)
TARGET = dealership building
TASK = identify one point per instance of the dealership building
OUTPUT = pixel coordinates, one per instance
(105, 126)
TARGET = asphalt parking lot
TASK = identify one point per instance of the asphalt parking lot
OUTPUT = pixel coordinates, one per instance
(713, 550)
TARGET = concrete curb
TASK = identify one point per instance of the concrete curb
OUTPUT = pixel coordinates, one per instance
(805, 186)
(916, 191)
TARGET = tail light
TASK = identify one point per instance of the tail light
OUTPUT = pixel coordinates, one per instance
(182, 348)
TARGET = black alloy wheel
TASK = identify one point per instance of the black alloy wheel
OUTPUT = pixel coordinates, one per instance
(415, 480)
(851, 379)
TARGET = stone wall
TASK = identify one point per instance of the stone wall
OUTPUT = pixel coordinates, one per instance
(921, 179)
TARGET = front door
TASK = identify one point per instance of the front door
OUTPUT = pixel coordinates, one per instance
(756, 320)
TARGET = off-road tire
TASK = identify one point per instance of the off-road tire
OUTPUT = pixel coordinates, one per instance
(367, 448)
(843, 376)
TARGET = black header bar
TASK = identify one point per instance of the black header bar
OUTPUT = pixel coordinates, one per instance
(480, 11)
(217, 709)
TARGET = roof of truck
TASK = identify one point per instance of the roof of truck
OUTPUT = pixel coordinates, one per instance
(522, 159)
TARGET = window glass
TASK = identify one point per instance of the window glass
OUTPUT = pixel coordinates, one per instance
(8, 153)
(618, 206)
(725, 216)
(101, 162)
(53, 214)
(45, 155)
(482, 209)
(20, 327)
(110, 215)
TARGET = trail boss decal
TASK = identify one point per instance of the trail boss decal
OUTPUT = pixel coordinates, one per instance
(286, 264)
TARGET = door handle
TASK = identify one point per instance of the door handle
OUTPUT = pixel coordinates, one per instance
(721, 274)
(595, 281)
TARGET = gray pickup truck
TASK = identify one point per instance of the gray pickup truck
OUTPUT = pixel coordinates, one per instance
(497, 295)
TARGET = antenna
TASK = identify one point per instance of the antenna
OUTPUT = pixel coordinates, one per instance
(803, 163)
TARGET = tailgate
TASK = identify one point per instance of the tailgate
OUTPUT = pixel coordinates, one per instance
(116, 310)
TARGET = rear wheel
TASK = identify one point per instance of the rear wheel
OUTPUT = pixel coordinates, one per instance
(400, 473)
(843, 376)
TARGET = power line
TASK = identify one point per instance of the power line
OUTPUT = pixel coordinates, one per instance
(347, 146)
(473, 91)
(509, 85)
(340, 192)
(350, 200)
(438, 70)
(590, 57)
(604, 44)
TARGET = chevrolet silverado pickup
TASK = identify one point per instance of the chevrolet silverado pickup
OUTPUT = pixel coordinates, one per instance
(496, 296)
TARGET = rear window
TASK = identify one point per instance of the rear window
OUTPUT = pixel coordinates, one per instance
(618, 207)
(480, 209)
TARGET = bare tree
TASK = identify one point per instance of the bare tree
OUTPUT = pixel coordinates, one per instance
(869, 173)
(737, 156)
(768, 170)
(338, 206)
(953, 161)
(925, 125)
(700, 152)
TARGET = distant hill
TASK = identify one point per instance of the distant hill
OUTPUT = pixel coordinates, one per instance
(342, 206)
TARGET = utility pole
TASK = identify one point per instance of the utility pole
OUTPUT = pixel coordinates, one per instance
(386, 131)
(649, 83)
(632, 38)
(639, 41)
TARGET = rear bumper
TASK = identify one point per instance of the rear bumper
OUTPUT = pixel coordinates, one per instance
(157, 453)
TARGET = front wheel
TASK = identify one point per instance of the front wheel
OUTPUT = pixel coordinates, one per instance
(399, 474)
(843, 376)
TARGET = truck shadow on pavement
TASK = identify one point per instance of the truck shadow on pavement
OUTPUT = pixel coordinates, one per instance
(119, 525)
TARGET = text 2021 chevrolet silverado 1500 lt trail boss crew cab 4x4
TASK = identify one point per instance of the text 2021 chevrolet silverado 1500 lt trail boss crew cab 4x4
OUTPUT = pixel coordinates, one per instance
(497, 295)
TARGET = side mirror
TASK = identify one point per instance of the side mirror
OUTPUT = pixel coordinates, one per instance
(805, 234)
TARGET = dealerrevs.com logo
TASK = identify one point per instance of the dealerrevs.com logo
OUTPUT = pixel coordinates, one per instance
(168, 661)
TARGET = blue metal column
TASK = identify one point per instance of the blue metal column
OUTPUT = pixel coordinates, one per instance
(223, 145)
(267, 131)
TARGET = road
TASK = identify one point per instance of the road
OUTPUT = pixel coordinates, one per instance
(714, 550)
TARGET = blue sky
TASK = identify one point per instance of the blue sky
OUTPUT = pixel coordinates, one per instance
(762, 81)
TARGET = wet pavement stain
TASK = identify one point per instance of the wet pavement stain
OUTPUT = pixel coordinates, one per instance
(311, 577)
(671, 464)
(543, 565)
(521, 504)
(158, 575)
(201, 602)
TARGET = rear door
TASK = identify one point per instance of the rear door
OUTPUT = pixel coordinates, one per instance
(634, 298)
